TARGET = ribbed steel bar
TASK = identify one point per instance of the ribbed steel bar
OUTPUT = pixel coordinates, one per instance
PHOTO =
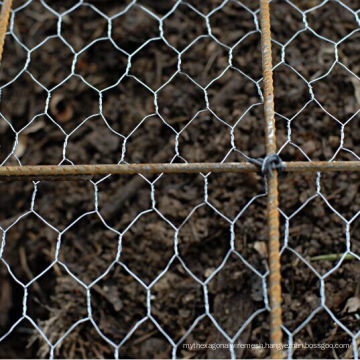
(272, 193)
(4, 20)
(71, 172)
(105, 169)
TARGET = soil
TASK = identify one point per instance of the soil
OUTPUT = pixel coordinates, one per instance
(94, 117)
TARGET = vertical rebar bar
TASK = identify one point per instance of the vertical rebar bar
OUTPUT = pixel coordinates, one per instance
(272, 195)
(4, 20)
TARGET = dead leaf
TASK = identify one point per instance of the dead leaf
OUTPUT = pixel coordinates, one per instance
(352, 305)
(34, 127)
(60, 108)
(356, 85)
(21, 146)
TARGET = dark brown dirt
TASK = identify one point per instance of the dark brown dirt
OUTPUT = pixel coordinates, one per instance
(119, 299)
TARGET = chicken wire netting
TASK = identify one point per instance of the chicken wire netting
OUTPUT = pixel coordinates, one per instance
(144, 266)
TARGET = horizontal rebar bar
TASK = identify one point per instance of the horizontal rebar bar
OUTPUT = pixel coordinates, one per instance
(54, 171)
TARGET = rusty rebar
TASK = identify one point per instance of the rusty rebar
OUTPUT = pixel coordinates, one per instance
(4, 20)
(105, 169)
(272, 193)
(71, 172)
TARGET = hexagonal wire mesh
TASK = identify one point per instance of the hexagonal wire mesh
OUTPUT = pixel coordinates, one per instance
(177, 83)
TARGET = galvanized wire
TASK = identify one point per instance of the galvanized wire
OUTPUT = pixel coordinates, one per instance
(51, 341)
(295, 121)
(269, 279)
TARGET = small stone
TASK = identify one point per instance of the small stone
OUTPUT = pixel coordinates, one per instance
(209, 271)
(261, 248)
(258, 352)
(309, 147)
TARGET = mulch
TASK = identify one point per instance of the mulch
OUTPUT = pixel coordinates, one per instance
(56, 300)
